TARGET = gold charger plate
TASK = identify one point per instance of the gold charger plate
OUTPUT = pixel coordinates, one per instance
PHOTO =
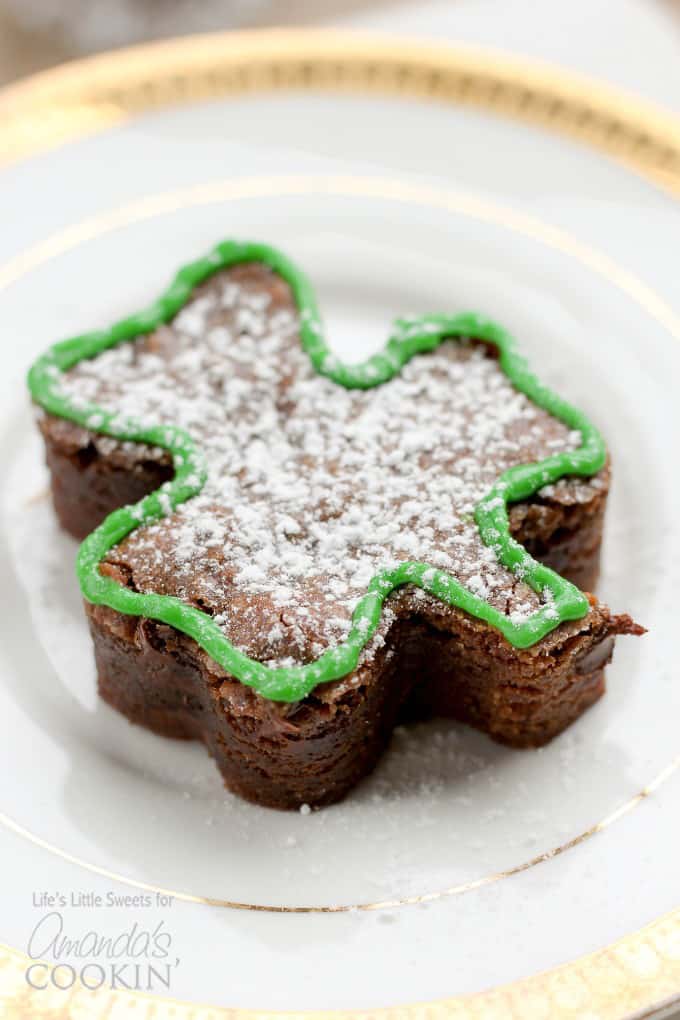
(639, 974)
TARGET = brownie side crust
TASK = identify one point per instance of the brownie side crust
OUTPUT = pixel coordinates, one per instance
(92, 475)
(315, 751)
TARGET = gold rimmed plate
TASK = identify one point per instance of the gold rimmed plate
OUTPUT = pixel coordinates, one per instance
(458, 866)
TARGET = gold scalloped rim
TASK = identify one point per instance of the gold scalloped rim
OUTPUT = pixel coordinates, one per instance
(90, 95)
(632, 978)
(640, 974)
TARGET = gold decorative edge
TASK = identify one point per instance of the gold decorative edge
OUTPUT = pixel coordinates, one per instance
(87, 96)
(634, 977)
(640, 974)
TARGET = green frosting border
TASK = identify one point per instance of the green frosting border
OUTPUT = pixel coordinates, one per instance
(409, 338)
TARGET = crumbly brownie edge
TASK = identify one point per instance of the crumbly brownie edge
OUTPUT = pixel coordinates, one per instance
(314, 752)
(91, 475)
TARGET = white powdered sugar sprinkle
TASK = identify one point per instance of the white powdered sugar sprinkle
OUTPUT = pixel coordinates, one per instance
(312, 488)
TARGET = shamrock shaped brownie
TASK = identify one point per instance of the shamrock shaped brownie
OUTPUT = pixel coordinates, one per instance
(285, 554)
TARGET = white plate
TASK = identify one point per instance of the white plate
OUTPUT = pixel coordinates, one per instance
(478, 865)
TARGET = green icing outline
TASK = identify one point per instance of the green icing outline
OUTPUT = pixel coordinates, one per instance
(409, 337)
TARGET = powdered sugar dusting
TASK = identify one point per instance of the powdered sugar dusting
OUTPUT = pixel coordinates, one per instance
(312, 488)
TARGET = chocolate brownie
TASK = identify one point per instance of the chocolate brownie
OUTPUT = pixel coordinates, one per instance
(312, 490)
